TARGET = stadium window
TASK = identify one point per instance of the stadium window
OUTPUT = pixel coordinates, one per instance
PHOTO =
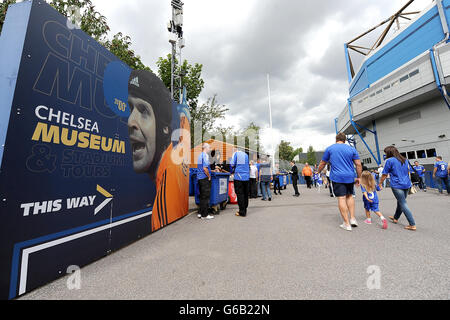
(403, 154)
(421, 154)
(404, 78)
(412, 155)
(394, 83)
(387, 87)
(415, 72)
(372, 95)
(379, 91)
(431, 153)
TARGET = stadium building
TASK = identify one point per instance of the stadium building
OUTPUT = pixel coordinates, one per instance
(399, 96)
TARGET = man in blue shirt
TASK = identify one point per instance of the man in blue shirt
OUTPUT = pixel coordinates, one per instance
(265, 174)
(258, 182)
(204, 182)
(441, 171)
(343, 159)
(421, 172)
(241, 169)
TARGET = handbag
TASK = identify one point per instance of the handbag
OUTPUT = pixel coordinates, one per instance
(412, 190)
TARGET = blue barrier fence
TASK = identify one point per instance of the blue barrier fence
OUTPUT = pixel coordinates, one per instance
(432, 183)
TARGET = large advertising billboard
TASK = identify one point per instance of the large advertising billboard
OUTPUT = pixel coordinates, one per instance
(94, 155)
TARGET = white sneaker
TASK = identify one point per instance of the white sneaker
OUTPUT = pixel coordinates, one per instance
(199, 216)
(348, 228)
(354, 223)
(209, 217)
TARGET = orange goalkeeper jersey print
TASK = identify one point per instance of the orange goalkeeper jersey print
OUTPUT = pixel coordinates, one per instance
(172, 185)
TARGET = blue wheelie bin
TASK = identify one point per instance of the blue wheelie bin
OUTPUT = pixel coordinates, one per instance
(192, 177)
(219, 191)
(283, 180)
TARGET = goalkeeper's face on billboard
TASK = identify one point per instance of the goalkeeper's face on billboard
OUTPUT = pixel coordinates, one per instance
(142, 133)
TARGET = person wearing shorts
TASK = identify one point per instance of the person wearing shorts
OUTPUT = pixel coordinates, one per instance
(343, 158)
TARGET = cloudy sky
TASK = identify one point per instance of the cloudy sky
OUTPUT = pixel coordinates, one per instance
(299, 43)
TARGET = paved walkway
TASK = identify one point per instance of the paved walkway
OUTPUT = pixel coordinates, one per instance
(290, 248)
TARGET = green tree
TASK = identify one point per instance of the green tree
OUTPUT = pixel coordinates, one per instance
(252, 137)
(311, 156)
(297, 152)
(3, 8)
(92, 23)
(120, 45)
(206, 115)
(192, 79)
(286, 151)
(223, 133)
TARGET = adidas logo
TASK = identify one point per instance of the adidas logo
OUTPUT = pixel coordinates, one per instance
(135, 82)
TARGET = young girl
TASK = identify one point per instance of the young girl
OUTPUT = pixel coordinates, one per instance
(370, 197)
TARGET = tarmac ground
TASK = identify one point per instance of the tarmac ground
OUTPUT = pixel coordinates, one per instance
(289, 248)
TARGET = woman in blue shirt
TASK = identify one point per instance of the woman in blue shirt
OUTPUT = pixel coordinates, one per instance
(397, 167)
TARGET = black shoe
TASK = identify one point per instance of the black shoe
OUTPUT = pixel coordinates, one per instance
(270, 199)
(263, 200)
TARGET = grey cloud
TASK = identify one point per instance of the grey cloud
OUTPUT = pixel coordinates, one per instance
(272, 40)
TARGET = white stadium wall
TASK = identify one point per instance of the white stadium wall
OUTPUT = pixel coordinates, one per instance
(425, 124)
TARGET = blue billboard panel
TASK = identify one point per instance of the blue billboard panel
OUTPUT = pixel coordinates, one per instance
(94, 157)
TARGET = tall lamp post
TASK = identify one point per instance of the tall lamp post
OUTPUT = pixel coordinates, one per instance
(176, 39)
(270, 121)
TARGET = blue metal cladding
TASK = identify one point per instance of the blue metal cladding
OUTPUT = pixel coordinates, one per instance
(349, 73)
(446, 5)
(361, 82)
(419, 37)
(11, 44)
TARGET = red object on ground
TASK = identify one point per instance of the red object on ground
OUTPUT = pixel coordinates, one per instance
(231, 193)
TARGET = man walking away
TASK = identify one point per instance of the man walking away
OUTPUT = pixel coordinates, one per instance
(253, 179)
(421, 172)
(342, 158)
(307, 174)
(241, 170)
(265, 174)
(294, 173)
(380, 173)
(441, 170)
(204, 182)
(258, 182)
(329, 180)
(276, 182)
